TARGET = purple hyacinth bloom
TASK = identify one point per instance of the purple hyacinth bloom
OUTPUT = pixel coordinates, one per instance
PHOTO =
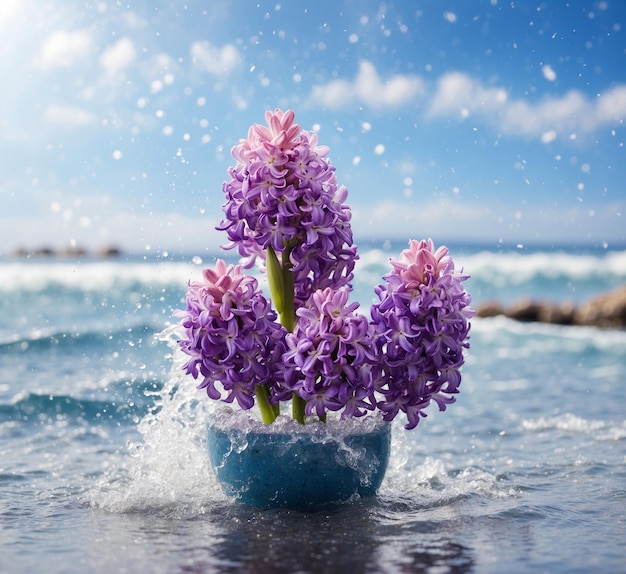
(283, 193)
(330, 356)
(232, 337)
(422, 328)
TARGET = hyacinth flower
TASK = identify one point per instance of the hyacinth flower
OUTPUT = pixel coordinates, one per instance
(232, 338)
(330, 356)
(283, 205)
(285, 210)
(422, 325)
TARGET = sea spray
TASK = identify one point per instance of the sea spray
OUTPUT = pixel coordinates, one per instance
(167, 469)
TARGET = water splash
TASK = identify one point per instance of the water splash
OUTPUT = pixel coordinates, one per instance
(167, 470)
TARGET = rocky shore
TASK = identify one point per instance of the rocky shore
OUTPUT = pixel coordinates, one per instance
(607, 311)
(46, 251)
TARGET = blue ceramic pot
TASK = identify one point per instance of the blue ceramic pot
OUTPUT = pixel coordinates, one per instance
(302, 470)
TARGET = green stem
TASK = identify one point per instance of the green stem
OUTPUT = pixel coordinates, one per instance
(275, 280)
(288, 315)
(297, 408)
(268, 412)
(288, 319)
(282, 288)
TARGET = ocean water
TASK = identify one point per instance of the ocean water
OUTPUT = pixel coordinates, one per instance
(103, 464)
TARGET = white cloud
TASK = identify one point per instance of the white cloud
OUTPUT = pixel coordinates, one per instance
(611, 105)
(218, 61)
(393, 219)
(368, 88)
(452, 220)
(569, 113)
(459, 95)
(8, 9)
(137, 232)
(133, 21)
(95, 220)
(64, 49)
(68, 116)
(116, 58)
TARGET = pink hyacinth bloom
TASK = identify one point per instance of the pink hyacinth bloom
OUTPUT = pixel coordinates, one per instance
(419, 261)
(422, 321)
(231, 335)
(283, 194)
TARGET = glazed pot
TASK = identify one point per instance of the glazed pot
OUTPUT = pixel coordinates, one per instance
(309, 467)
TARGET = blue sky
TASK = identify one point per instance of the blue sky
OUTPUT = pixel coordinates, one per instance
(464, 120)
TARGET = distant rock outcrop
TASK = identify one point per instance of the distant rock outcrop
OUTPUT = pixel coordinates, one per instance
(110, 251)
(71, 252)
(607, 310)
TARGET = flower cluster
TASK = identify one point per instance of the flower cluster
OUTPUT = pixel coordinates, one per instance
(422, 322)
(283, 195)
(283, 206)
(330, 356)
(232, 335)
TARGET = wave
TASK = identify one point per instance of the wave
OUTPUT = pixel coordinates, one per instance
(571, 338)
(120, 408)
(497, 269)
(95, 336)
(522, 266)
(570, 423)
(519, 267)
(97, 276)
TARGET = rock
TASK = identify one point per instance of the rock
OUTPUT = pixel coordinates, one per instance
(607, 310)
(74, 251)
(21, 252)
(525, 310)
(561, 314)
(44, 251)
(490, 309)
(110, 251)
